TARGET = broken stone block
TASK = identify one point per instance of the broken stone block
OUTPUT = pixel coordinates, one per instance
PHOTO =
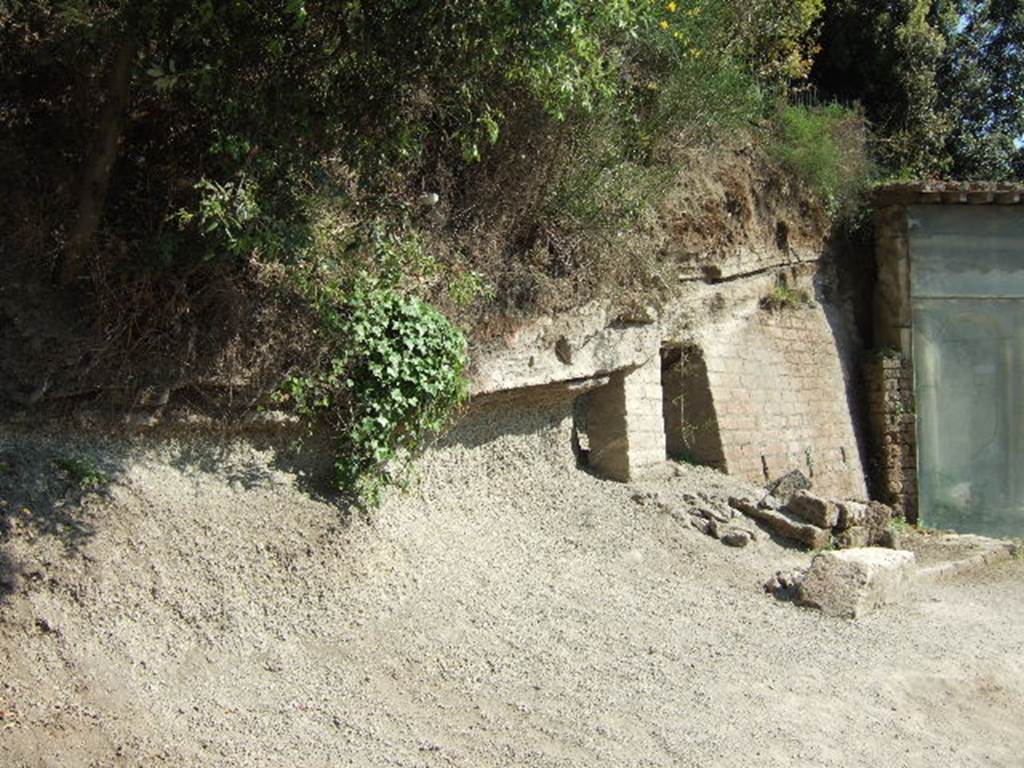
(857, 536)
(769, 502)
(878, 519)
(851, 514)
(701, 524)
(715, 514)
(743, 504)
(784, 583)
(785, 526)
(813, 509)
(853, 582)
(736, 537)
(785, 486)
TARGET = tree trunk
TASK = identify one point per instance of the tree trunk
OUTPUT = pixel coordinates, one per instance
(100, 161)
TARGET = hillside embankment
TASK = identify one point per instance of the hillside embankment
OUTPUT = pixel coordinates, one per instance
(206, 606)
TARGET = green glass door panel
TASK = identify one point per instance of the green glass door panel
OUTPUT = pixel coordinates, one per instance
(967, 288)
(969, 384)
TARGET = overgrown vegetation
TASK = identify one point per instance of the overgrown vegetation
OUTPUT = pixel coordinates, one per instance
(279, 191)
(825, 147)
(939, 81)
(784, 297)
(310, 198)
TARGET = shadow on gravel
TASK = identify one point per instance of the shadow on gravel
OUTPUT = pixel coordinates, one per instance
(48, 491)
(213, 459)
(10, 575)
(309, 460)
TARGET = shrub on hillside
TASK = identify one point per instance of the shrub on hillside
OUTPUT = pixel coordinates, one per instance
(825, 147)
(392, 377)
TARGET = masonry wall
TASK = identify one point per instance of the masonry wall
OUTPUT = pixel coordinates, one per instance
(782, 401)
(890, 390)
(626, 426)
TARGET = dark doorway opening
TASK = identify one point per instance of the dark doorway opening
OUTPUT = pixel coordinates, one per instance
(691, 425)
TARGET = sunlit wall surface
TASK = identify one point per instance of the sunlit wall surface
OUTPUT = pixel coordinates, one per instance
(967, 289)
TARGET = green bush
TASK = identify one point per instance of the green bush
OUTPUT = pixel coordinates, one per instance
(83, 472)
(394, 376)
(823, 146)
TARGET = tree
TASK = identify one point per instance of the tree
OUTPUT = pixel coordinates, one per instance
(886, 54)
(940, 80)
(982, 85)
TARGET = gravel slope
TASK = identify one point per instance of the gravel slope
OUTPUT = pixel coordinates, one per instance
(510, 610)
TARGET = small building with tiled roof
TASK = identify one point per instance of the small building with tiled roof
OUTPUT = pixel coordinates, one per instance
(946, 383)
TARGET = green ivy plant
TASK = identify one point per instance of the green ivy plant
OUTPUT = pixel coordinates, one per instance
(395, 376)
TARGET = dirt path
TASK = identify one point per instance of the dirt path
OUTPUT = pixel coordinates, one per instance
(510, 611)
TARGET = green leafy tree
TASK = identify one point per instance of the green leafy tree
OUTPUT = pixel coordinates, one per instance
(981, 81)
(940, 81)
(780, 37)
(886, 55)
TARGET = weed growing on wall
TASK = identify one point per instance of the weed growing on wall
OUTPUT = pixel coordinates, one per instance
(784, 297)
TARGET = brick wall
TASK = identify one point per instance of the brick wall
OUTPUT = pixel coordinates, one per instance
(781, 400)
(626, 428)
(890, 390)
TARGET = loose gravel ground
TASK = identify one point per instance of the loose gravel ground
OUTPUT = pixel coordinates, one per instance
(208, 609)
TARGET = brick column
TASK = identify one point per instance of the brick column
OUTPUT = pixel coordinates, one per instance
(890, 385)
(626, 423)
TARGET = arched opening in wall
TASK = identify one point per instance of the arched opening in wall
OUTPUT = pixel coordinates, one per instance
(691, 425)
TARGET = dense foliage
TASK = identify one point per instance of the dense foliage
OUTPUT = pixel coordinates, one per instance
(940, 81)
(393, 375)
(982, 89)
(823, 146)
(309, 197)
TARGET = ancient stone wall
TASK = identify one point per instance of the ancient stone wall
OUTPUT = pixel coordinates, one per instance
(781, 399)
(891, 304)
(890, 391)
(626, 424)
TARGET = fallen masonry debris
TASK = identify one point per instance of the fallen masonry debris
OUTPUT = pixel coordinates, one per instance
(812, 509)
(818, 522)
(853, 582)
(783, 525)
(791, 482)
(705, 514)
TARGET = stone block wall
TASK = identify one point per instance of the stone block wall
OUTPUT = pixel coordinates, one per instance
(891, 303)
(891, 412)
(782, 401)
(626, 428)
